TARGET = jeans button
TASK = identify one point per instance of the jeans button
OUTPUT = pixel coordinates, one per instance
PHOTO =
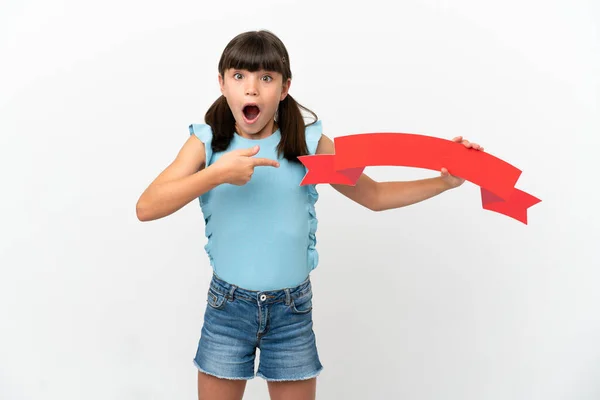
(263, 297)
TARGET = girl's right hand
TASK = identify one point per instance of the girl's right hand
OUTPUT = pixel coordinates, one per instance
(237, 166)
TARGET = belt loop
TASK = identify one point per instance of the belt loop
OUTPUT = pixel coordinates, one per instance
(287, 296)
(230, 294)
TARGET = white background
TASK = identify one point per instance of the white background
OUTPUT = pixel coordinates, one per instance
(440, 300)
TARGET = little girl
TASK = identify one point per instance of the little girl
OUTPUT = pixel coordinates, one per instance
(260, 223)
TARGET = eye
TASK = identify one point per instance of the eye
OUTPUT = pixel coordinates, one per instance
(267, 78)
(235, 76)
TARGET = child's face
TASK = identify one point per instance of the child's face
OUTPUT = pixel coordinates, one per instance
(263, 89)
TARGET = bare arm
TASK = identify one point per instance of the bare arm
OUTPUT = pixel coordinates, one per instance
(404, 193)
(181, 182)
(381, 196)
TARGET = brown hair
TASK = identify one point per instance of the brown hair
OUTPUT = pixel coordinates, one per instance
(253, 51)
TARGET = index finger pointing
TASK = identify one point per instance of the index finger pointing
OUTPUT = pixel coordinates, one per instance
(265, 162)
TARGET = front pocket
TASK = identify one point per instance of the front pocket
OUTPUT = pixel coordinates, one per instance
(302, 305)
(215, 299)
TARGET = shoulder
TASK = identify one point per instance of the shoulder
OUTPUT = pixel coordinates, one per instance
(202, 132)
(325, 146)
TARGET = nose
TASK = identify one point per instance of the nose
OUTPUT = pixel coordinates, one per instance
(251, 88)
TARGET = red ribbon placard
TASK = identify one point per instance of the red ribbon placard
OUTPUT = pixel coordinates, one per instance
(353, 153)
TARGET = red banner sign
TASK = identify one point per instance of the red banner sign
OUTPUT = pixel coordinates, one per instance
(353, 153)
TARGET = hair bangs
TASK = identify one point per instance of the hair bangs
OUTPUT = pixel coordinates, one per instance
(253, 53)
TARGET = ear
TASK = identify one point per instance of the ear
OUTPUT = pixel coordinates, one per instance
(221, 84)
(285, 89)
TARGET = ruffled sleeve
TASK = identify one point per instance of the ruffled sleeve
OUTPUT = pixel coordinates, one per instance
(313, 135)
(204, 133)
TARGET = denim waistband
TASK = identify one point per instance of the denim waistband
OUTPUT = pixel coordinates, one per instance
(267, 296)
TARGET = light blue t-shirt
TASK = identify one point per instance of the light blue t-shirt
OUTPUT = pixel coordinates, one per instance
(261, 236)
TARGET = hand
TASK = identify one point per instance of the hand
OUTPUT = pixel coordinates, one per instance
(451, 180)
(237, 166)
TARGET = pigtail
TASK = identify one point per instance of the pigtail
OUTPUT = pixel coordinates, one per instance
(221, 120)
(292, 127)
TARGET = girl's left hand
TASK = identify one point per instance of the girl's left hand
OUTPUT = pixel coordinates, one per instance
(451, 180)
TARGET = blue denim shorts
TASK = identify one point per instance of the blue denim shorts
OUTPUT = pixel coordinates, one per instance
(238, 321)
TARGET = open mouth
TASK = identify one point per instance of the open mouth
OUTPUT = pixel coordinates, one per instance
(251, 112)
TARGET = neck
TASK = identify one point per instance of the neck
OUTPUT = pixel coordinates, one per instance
(266, 131)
